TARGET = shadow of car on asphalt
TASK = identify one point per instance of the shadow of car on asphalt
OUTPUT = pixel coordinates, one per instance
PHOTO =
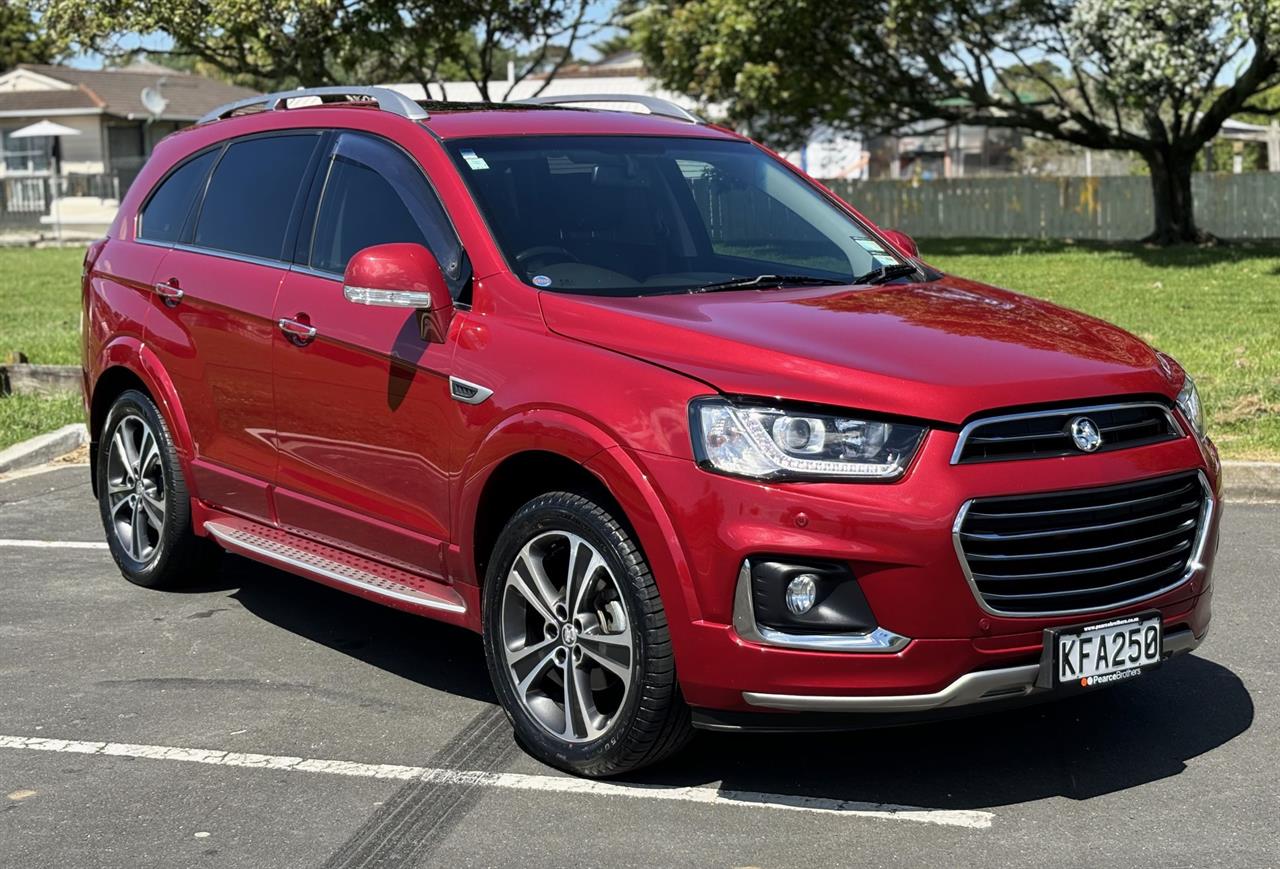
(1079, 747)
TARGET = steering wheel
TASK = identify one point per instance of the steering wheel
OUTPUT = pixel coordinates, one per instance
(537, 252)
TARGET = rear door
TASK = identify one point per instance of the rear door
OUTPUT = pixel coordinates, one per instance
(212, 324)
(362, 407)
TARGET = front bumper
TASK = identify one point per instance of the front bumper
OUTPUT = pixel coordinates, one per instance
(971, 688)
(898, 540)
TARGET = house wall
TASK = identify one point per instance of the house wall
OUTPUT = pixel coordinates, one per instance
(82, 154)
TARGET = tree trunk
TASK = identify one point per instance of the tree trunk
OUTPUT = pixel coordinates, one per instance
(1172, 205)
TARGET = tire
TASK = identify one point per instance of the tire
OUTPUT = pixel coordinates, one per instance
(613, 645)
(142, 498)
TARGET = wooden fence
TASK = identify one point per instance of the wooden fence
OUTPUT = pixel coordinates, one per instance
(1111, 208)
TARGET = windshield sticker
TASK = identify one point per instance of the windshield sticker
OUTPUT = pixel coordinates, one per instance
(474, 160)
(541, 281)
(870, 245)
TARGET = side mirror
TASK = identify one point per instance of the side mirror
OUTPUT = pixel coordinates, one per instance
(902, 242)
(401, 275)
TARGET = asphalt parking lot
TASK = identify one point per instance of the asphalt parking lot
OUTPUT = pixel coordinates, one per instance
(262, 720)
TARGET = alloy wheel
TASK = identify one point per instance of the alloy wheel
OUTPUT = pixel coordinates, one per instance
(136, 488)
(566, 637)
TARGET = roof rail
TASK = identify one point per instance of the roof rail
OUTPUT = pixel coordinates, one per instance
(386, 99)
(655, 105)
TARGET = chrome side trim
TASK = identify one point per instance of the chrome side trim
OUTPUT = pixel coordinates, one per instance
(266, 553)
(468, 392)
(982, 686)
(385, 99)
(878, 640)
(969, 428)
(1195, 564)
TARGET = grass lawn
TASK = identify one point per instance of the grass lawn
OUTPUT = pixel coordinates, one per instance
(39, 316)
(1217, 310)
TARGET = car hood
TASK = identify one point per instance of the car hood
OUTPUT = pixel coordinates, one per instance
(942, 350)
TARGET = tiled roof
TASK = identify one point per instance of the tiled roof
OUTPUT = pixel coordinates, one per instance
(36, 102)
(119, 90)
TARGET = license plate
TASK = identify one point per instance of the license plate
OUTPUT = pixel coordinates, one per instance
(1112, 651)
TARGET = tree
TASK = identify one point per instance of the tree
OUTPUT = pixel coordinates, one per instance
(273, 44)
(1153, 77)
(22, 39)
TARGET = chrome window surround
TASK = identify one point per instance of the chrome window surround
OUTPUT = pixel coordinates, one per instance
(1195, 563)
(970, 427)
(878, 640)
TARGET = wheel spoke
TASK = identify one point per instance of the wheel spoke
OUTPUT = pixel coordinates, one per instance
(121, 450)
(517, 658)
(531, 582)
(137, 530)
(601, 657)
(122, 501)
(149, 454)
(581, 582)
(579, 708)
(532, 676)
(154, 509)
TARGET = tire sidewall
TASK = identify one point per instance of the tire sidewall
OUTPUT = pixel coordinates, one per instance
(176, 517)
(552, 513)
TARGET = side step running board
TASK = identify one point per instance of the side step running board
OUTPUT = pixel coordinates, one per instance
(334, 567)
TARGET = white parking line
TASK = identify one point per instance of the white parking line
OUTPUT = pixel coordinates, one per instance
(54, 544)
(514, 781)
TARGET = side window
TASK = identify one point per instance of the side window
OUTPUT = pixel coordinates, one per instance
(166, 212)
(375, 194)
(252, 193)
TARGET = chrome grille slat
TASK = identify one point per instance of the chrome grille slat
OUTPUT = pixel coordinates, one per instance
(1152, 541)
(1088, 550)
(1080, 592)
(1029, 535)
(1064, 510)
(1044, 433)
(1005, 577)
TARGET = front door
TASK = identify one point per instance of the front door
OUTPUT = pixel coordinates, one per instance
(361, 406)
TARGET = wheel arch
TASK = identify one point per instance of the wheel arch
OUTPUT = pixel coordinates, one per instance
(550, 450)
(127, 363)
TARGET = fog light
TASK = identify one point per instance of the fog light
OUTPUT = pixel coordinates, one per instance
(802, 592)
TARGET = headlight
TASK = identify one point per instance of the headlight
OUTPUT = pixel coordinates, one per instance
(773, 443)
(1189, 404)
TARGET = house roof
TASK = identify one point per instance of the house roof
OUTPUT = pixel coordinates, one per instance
(118, 91)
(39, 102)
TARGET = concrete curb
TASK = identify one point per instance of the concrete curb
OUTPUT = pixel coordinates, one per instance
(43, 448)
(1251, 481)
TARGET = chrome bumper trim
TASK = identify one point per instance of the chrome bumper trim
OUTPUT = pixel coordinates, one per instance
(878, 640)
(980, 687)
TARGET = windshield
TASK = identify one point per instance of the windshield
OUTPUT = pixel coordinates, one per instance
(628, 216)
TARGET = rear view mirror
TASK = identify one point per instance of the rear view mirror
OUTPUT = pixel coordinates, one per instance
(401, 275)
(902, 242)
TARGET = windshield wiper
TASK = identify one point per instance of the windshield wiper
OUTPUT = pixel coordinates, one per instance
(746, 283)
(884, 274)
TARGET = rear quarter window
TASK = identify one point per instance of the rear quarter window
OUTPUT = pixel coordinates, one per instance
(251, 195)
(167, 210)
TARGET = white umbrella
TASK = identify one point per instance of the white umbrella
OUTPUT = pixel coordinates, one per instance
(43, 128)
(48, 129)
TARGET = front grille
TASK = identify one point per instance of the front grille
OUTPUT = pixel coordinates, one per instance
(1045, 434)
(1083, 549)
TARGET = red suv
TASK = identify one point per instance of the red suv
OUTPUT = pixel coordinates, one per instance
(690, 441)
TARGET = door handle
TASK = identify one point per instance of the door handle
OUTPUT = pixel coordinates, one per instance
(298, 332)
(169, 292)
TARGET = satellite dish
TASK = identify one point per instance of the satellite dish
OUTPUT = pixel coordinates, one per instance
(153, 101)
